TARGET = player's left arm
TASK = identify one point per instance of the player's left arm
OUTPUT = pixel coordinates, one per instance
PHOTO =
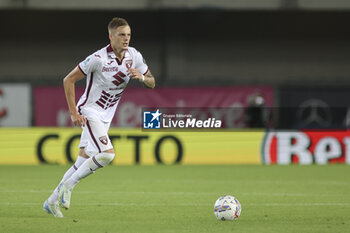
(147, 80)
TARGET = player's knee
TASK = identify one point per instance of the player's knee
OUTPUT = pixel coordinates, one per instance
(109, 151)
(82, 153)
(105, 158)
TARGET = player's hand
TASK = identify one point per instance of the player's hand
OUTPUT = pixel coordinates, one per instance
(78, 120)
(134, 74)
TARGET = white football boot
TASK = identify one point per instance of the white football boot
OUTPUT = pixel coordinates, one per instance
(53, 209)
(64, 195)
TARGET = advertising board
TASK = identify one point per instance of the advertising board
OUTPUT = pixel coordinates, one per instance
(50, 108)
(15, 105)
(306, 147)
(132, 146)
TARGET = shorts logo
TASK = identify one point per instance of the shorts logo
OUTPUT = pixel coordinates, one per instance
(151, 120)
(104, 140)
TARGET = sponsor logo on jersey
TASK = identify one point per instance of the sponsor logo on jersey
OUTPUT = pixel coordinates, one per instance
(86, 61)
(110, 69)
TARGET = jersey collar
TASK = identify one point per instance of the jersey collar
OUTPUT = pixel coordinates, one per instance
(110, 52)
(112, 55)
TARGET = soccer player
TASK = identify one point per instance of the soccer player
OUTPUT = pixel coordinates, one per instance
(108, 72)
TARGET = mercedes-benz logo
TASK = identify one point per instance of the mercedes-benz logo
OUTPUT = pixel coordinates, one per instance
(314, 112)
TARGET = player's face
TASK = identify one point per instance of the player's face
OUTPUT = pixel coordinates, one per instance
(120, 38)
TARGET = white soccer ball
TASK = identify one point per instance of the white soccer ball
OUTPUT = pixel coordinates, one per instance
(227, 208)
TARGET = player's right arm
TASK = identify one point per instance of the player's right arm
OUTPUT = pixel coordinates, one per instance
(69, 90)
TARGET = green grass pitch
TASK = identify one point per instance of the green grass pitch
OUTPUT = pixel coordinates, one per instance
(178, 198)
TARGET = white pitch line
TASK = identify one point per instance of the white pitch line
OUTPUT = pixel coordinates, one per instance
(216, 181)
(180, 193)
(299, 204)
(182, 204)
(281, 182)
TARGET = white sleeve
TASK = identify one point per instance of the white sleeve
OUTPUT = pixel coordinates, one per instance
(90, 64)
(140, 63)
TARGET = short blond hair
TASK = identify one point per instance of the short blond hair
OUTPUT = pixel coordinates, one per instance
(116, 22)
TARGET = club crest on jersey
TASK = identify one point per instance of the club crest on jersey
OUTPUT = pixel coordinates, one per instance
(103, 140)
(128, 64)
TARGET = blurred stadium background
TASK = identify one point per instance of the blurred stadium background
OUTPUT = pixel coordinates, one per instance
(276, 72)
(294, 54)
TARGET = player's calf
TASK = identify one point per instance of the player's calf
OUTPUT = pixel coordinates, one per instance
(88, 167)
